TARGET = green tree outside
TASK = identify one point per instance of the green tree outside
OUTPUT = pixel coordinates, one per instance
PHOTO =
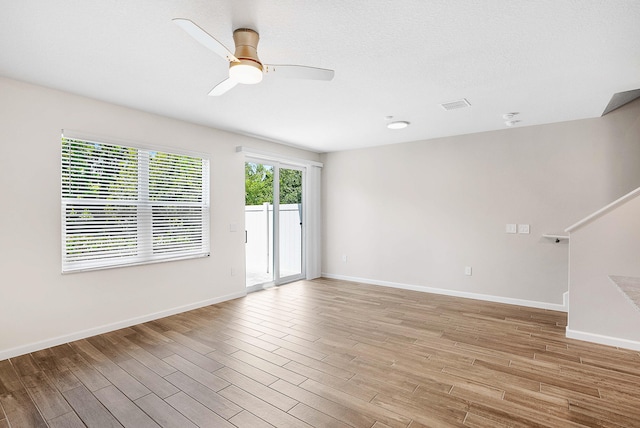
(290, 186)
(259, 185)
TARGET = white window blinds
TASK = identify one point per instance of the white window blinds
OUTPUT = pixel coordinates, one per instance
(125, 205)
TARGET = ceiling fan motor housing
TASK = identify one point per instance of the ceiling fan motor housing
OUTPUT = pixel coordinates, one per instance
(246, 41)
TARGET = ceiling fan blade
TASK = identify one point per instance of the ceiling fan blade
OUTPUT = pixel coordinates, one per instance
(223, 87)
(206, 39)
(298, 72)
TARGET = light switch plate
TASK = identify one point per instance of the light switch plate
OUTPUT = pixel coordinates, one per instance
(511, 228)
(523, 228)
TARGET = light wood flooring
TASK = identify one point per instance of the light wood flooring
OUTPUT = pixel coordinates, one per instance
(328, 353)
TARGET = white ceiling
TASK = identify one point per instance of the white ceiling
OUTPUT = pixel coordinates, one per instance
(550, 60)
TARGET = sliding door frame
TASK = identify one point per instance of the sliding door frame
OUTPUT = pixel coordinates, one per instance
(275, 245)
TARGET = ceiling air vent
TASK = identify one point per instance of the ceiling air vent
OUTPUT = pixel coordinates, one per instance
(453, 105)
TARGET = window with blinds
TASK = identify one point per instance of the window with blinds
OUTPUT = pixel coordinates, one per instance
(126, 205)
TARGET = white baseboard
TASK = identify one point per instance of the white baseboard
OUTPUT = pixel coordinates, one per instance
(603, 340)
(455, 293)
(59, 340)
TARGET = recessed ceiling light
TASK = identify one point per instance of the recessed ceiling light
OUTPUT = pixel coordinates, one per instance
(400, 124)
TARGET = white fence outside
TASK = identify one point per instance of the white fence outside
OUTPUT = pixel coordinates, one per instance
(259, 246)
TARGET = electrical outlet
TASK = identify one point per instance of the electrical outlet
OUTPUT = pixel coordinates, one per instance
(511, 228)
(523, 228)
(467, 270)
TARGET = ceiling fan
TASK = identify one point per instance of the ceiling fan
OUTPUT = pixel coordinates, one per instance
(244, 65)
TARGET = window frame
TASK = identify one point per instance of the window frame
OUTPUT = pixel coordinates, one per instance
(157, 220)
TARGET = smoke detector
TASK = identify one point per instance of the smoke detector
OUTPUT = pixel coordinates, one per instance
(509, 118)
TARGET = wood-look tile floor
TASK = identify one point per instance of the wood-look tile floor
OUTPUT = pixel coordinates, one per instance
(327, 353)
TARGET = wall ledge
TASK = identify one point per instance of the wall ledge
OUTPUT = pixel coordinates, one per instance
(455, 293)
(83, 334)
(603, 340)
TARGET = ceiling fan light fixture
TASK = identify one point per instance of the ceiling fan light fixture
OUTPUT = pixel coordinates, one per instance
(248, 69)
(244, 65)
(246, 72)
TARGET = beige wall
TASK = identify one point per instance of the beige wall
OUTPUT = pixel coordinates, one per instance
(413, 213)
(39, 305)
(416, 214)
(607, 245)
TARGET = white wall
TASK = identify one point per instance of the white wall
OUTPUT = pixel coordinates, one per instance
(38, 305)
(607, 245)
(416, 214)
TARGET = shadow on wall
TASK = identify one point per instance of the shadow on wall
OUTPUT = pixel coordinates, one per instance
(623, 156)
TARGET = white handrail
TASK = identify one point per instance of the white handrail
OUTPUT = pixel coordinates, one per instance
(604, 210)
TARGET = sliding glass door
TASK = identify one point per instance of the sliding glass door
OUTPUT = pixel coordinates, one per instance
(290, 224)
(258, 214)
(274, 223)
